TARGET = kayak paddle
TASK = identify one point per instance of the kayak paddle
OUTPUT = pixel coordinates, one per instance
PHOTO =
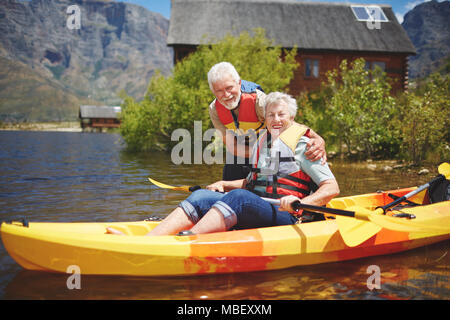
(361, 224)
(353, 227)
(166, 186)
(361, 232)
(353, 231)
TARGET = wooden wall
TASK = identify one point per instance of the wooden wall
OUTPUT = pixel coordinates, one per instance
(396, 67)
(100, 123)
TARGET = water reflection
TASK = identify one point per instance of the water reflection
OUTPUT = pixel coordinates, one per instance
(88, 177)
(426, 277)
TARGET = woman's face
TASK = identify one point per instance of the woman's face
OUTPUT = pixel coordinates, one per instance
(278, 118)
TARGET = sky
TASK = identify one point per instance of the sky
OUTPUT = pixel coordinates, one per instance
(400, 7)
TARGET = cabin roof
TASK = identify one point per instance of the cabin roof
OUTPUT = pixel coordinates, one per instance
(305, 25)
(99, 112)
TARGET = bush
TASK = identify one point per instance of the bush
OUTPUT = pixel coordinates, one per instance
(355, 108)
(359, 110)
(176, 101)
(424, 121)
(312, 112)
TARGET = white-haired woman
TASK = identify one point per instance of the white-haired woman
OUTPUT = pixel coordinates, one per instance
(280, 170)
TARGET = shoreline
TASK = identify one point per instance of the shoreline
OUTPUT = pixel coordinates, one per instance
(369, 164)
(64, 126)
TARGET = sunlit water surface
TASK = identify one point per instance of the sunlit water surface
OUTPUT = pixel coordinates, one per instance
(67, 177)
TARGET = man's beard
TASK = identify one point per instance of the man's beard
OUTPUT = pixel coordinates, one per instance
(230, 105)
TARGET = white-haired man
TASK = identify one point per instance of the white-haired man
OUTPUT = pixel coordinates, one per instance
(238, 114)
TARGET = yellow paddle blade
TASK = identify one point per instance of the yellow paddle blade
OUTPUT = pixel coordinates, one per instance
(412, 225)
(441, 224)
(166, 186)
(444, 169)
(159, 184)
(354, 231)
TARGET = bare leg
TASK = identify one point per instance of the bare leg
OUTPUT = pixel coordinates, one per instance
(175, 222)
(213, 221)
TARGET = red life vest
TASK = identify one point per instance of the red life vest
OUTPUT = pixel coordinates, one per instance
(289, 179)
(247, 118)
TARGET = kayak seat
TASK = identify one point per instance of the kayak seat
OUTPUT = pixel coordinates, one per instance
(439, 191)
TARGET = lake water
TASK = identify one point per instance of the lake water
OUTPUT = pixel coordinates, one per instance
(67, 177)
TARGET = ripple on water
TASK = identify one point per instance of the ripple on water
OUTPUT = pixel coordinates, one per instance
(88, 177)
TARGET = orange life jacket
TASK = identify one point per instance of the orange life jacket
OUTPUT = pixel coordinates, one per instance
(289, 179)
(247, 118)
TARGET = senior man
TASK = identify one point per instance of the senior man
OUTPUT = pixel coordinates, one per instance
(238, 113)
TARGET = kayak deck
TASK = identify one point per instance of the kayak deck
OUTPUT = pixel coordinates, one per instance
(56, 246)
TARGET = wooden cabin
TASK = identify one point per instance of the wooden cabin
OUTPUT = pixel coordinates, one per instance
(99, 117)
(324, 34)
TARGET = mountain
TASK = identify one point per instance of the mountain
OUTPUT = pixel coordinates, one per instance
(49, 65)
(428, 27)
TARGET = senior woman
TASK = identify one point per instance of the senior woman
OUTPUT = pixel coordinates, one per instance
(280, 170)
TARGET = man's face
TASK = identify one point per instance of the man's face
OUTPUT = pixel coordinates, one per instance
(227, 91)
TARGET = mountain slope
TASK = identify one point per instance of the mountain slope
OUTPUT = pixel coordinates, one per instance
(118, 47)
(25, 95)
(428, 26)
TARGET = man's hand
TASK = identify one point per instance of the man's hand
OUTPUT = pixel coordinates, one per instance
(315, 148)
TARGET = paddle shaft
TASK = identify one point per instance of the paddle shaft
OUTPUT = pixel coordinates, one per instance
(357, 234)
(298, 205)
(295, 205)
(410, 194)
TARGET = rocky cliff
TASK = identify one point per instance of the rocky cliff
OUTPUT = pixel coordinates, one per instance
(428, 26)
(115, 47)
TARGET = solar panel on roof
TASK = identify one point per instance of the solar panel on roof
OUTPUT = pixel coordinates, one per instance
(369, 13)
(360, 13)
(377, 13)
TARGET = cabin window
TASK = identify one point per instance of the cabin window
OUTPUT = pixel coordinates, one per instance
(369, 13)
(376, 68)
(371, 65)
(311, 68)
(381, 65)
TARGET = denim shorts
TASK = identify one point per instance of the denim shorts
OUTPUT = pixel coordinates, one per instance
(241, 209)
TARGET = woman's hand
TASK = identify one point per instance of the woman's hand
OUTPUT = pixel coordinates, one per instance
(217, 186)
(286, 204)
(225, 186)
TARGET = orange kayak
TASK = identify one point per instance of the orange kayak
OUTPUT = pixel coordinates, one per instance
(57, 247)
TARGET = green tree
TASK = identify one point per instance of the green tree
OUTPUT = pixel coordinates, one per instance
(359, 110)
(424, 121)
(312, 112)
(177, 100)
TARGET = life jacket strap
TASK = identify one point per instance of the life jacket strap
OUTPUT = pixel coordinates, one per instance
(295, 179)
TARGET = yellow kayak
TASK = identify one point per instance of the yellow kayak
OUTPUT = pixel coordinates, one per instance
(57, 247)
